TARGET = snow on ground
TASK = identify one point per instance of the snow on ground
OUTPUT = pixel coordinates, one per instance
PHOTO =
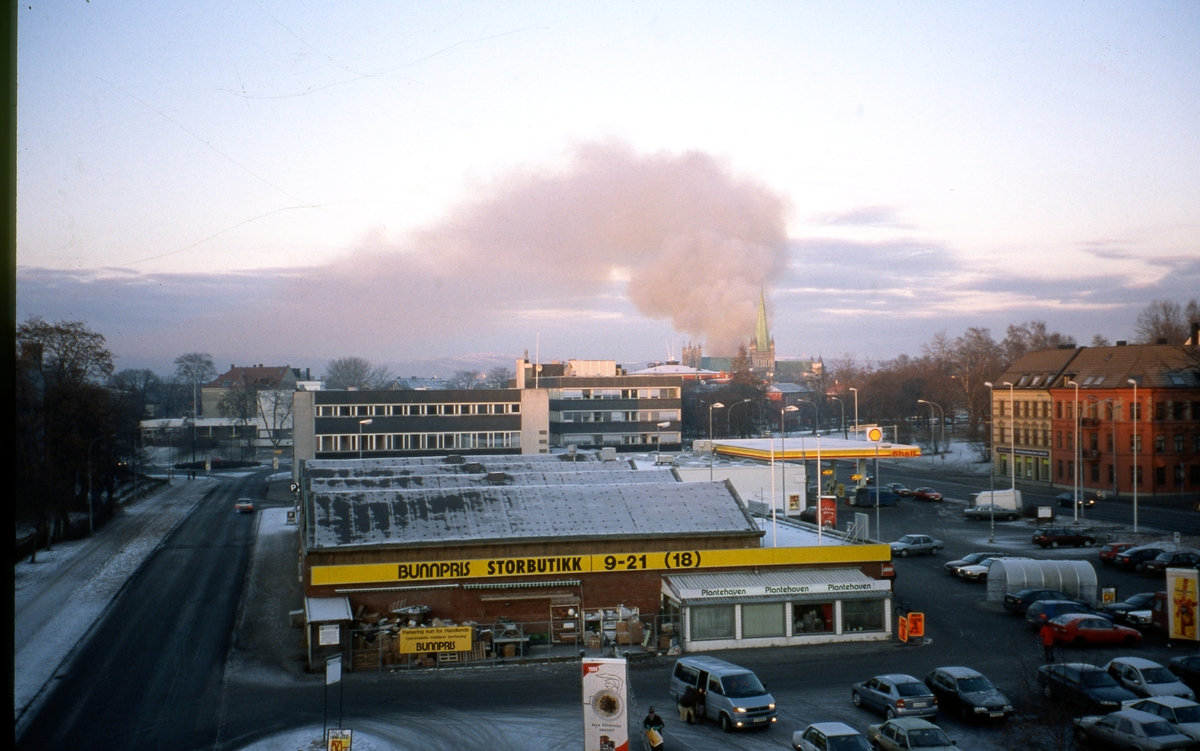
(45, 651)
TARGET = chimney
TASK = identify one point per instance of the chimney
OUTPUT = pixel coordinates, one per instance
(1121, 343)
(1161, 340)
(1195, 338)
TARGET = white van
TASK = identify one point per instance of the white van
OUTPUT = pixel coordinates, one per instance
(731, 695)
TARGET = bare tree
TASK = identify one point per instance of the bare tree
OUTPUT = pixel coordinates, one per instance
(465, 379)
(1099, 340)
(1166, 319)
(195, 368)
(1031, 336)
(240, 403)
(355, 373)
(275, 409)
(977, 359)
(499, 376)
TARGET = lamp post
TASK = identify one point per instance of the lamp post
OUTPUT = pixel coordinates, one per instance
(93, 443)
(1136, 479)
(1078, 458)
(729, 414)
(711, 453)
(843, 407)
(782, 469)
(855, 409)
(931, 405)
(658, 440)
(992, 474)
(361, 423)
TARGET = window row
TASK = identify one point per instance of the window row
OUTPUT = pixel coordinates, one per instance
(417, 441)
(417, 410)
(617, 439)
(1067, 471)
(644, 393)
(1023, 409)
(1179, 442)
(619, 416)
(769, 619)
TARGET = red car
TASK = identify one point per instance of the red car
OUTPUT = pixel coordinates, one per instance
(1083, 629)
(927, 494)
(1110, 551)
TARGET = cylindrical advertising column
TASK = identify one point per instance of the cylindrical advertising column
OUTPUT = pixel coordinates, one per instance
(605, 704)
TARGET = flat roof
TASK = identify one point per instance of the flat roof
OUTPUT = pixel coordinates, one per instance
(522, 514)
(329, 481)
(805, 447)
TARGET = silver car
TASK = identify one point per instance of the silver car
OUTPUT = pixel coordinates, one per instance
(829, 736)
(1130, 729)
(909, 734)
(914, 544)
(895, 695)
(1147, 678)
(1181, 714)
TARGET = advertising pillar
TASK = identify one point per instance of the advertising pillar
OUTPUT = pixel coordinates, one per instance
(605, 704)
(1182, 597)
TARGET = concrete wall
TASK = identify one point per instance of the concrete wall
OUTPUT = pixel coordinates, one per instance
(535, 421)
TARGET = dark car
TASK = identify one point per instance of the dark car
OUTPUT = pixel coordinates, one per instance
(1019, 603)
(969, 560)
(1158, 565)
(1083, 685)
(1110, 550)
(895, 695)
(990, 511)
(1188, 670)
(1056, 536)
(1065, 500)
(1044, 611)
(969, 693)
(899, 489)
(927, 494)
(1134, 558)
(1120, 610)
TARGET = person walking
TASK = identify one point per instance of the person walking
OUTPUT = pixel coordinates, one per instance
(1047, 635)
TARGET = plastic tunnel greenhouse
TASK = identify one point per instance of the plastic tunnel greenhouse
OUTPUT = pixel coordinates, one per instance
(1075, 578)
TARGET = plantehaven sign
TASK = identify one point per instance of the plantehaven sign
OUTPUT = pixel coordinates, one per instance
(789, 589)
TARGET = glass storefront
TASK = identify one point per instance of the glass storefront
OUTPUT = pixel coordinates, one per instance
(763, 619)
(862, 615)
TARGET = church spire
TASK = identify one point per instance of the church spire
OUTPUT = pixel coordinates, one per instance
(762, 337)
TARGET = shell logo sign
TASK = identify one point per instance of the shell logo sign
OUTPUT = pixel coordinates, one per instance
(875, 434)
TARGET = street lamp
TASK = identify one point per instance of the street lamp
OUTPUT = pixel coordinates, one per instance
(711, 454)
(1012, 456)
(1078, 457)
(729, 415)
(992, 474)
(855, 409)
(93, 443)
(1136, 479)
(931, 405)
(361, 423)
(843, 407)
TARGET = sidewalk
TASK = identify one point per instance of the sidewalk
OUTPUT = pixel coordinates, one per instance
(58, 599)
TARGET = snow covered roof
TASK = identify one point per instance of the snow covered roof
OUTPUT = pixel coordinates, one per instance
(524, 514)
(336, 481)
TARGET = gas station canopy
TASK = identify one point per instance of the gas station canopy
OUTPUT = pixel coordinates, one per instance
(809, 446)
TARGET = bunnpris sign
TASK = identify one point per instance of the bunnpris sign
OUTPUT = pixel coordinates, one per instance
(444, 639)
(613, 562)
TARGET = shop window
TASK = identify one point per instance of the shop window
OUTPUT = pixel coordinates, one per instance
(812, 619)
(762, 619)
(712, 622)
(862, 615)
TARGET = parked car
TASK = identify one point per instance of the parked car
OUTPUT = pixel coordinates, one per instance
(970, 560)
(1043, 611)
(733, 695)
(1130, 730)
(1158, 565)
(1147, 678)
(1182, 714)
(244, 506)
(969, 692)
(1187, 668)
(1135, 557)
(989, 511)
(899, 489)
(915, 544)
(1066, 500)
(1110, 550)
(829, 736)
(979, 572)
(1081, 630)
(1019, 602)
(1120, 610)
(927, 494)
(1083, 685)
(909, 733)
(1053, 537)
(895, 695)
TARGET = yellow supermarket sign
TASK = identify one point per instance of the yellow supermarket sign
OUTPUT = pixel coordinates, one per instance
(414, 641)
(568, 565)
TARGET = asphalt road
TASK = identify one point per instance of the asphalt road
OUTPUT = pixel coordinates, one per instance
(149, 675)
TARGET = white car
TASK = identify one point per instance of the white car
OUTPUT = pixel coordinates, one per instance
(829, 736)
(1147, 678)
(1181, 714)
(913, 544)
(979, 572)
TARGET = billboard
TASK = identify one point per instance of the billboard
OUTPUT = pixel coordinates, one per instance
(1181, 603)
(605, 704)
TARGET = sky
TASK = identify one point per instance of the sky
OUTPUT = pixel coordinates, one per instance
(287, 183)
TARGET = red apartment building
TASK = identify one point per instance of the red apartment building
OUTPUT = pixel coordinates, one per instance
(1116, 439)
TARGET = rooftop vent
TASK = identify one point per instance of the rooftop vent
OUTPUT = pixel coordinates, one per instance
(1121, 343)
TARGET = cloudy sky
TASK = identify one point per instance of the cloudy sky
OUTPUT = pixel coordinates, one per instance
(285, 183)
